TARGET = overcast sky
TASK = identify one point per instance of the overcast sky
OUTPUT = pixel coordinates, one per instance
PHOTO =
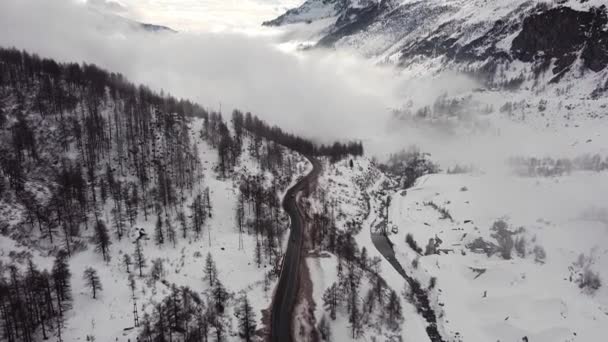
(200, 15)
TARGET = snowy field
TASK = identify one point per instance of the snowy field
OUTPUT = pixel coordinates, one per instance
(558, 225)
(520, 297)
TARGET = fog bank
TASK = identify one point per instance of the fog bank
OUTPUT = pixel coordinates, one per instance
(324, 95)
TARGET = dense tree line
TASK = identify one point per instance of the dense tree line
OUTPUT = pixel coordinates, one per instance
(82, 149)
(33, 302)
(258, 211)
(183, 315)
(258, 127)
(550, 167)
(233, 138)
(91, 137)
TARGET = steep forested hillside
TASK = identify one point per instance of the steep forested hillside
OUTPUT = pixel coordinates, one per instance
(107, 192)
(74, 137)
(462, 31)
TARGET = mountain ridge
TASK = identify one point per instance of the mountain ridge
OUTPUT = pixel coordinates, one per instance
(498, 32)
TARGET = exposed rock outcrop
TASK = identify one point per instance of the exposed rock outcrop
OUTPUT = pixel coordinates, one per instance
(562, 34)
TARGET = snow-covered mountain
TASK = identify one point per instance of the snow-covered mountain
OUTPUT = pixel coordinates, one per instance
(480, 37)
(314, 10)
(113, 21)
(477, 65)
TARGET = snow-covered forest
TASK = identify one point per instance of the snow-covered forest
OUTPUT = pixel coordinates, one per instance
(112, 193)
(303, 170)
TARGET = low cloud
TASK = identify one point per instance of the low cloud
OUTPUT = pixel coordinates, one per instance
(318, 94)
(109, 6)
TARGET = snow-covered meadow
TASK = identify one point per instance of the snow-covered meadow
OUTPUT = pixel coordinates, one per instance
(487, 297)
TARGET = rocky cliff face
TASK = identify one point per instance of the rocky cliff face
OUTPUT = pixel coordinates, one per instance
(353, 20)
(561, 34)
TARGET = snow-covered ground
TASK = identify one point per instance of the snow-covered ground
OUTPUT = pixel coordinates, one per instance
(520, 297)
(479, 297)
(109, 317)
(536, 294)
(348, 188)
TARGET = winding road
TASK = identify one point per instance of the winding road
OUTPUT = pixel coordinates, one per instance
(287, 290)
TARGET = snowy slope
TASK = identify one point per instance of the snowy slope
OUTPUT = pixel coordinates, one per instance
(396, 24)
(529, 50)
(520, 297)
(557, 221)
(525, 77)
(313, 10)
(347, 191)
(109, 317)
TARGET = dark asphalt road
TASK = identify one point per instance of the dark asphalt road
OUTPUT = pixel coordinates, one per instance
(287, 289)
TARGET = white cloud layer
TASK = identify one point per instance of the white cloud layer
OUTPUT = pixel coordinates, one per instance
(321, 95)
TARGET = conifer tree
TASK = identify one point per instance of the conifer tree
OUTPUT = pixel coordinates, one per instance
(258, 253)
(102, 240)
(181, 217)
(171, 234)
(92, 280)
(210, 270)
(393, 311)
(331, 300)
(126, 260)
(246, 317)
(138, 257)
(324, 329)
(159, 236)
(61, 279)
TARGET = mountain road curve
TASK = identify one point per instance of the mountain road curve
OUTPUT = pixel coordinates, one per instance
(288, 286)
